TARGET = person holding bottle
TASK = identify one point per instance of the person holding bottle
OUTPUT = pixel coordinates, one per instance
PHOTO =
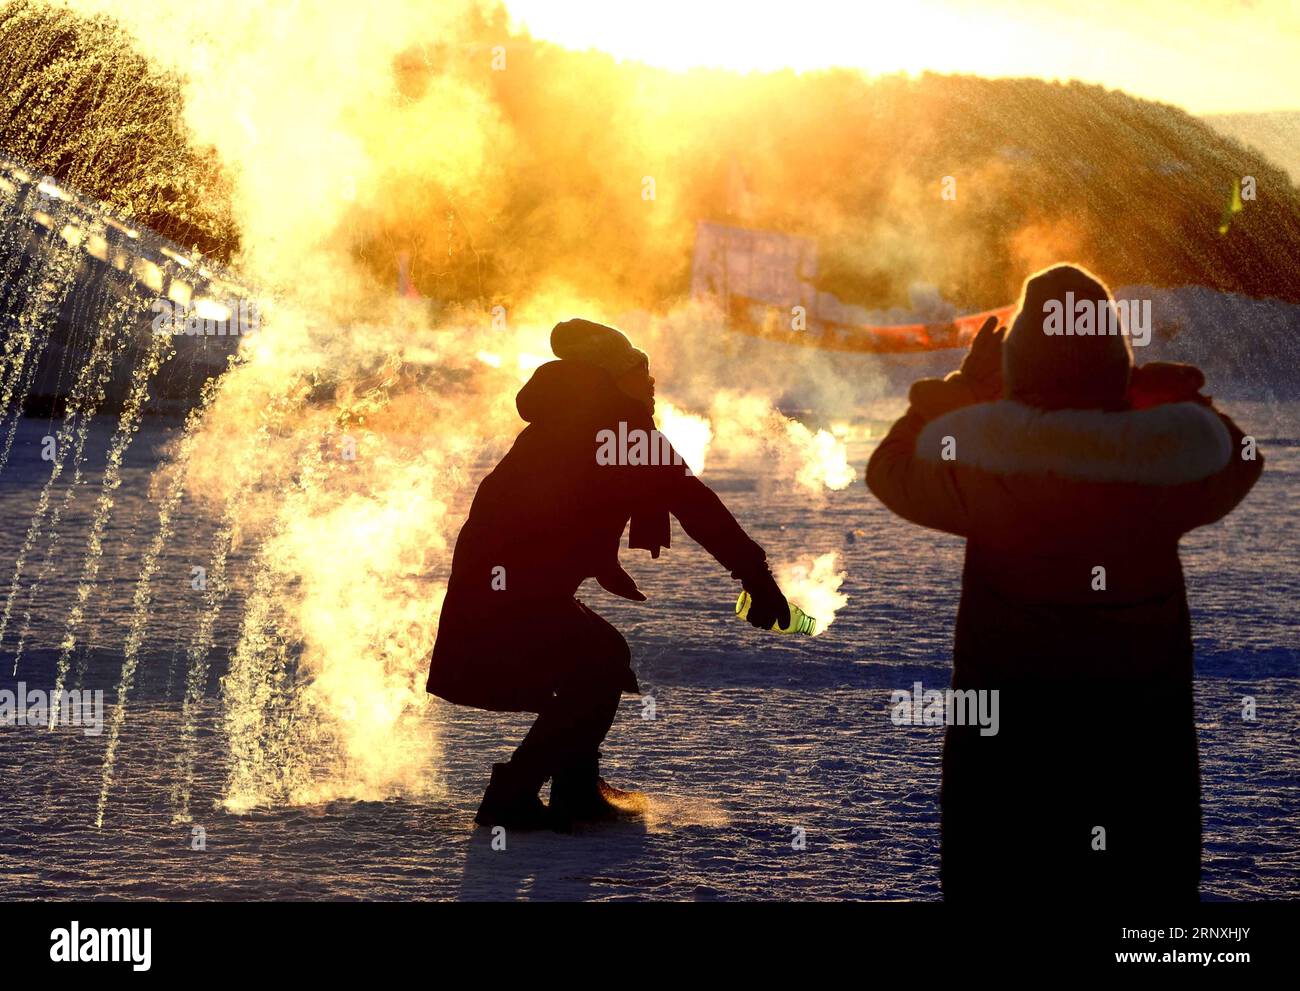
(512, 636)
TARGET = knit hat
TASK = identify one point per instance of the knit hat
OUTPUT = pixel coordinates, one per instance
(596, 344)
(1059, 355)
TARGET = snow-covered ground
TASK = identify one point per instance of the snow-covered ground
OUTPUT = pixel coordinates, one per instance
(755, 735)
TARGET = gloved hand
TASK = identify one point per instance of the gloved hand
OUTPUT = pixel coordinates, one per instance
(979, 380)
(981, 369)
(1159, 382)
(769, 606)
(932, 398)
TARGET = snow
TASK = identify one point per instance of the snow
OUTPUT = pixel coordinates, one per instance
(755, 736)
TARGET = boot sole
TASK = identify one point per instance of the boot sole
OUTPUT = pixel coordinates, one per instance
(521, 825)
(627, 807)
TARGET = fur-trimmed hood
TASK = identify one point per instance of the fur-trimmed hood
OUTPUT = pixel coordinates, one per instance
(1072, 591)
(1165, 445)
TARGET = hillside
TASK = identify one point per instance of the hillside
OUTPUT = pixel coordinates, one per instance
(1043, 171)
(554, 195)
(1275, 135)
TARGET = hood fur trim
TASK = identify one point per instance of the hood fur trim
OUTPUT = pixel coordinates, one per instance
(1164, 445)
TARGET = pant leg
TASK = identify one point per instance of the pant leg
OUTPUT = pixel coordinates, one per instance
(568, 730)
(575, 719)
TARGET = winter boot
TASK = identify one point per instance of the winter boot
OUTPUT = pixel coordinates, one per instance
(579, 793)
(512, 803)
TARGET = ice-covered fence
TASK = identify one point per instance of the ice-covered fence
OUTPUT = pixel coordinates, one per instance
(112, 261)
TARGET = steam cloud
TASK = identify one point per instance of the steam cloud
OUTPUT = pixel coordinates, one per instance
(346, 441)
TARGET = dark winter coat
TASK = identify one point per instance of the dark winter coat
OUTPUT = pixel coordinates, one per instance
(1096, 714)
(547, 518)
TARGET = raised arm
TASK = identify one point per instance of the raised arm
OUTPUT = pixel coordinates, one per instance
(924, 490)
(1214, 497)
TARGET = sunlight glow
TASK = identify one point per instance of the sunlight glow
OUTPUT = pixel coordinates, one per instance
(1212, 56)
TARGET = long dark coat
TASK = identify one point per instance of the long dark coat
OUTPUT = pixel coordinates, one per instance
(1096, 715)
(550, 516)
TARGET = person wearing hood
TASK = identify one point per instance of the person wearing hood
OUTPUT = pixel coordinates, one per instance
(1072, 476)
(512, 636)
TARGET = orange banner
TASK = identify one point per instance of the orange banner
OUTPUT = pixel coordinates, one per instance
(776, 324)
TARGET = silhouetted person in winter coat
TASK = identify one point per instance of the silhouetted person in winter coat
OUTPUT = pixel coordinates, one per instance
(1072, 476)
(512, 636)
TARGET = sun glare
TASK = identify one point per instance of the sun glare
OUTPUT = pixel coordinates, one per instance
(1162, 49)
(680, 34)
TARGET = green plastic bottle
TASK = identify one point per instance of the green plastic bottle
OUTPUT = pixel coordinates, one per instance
(800, 621)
